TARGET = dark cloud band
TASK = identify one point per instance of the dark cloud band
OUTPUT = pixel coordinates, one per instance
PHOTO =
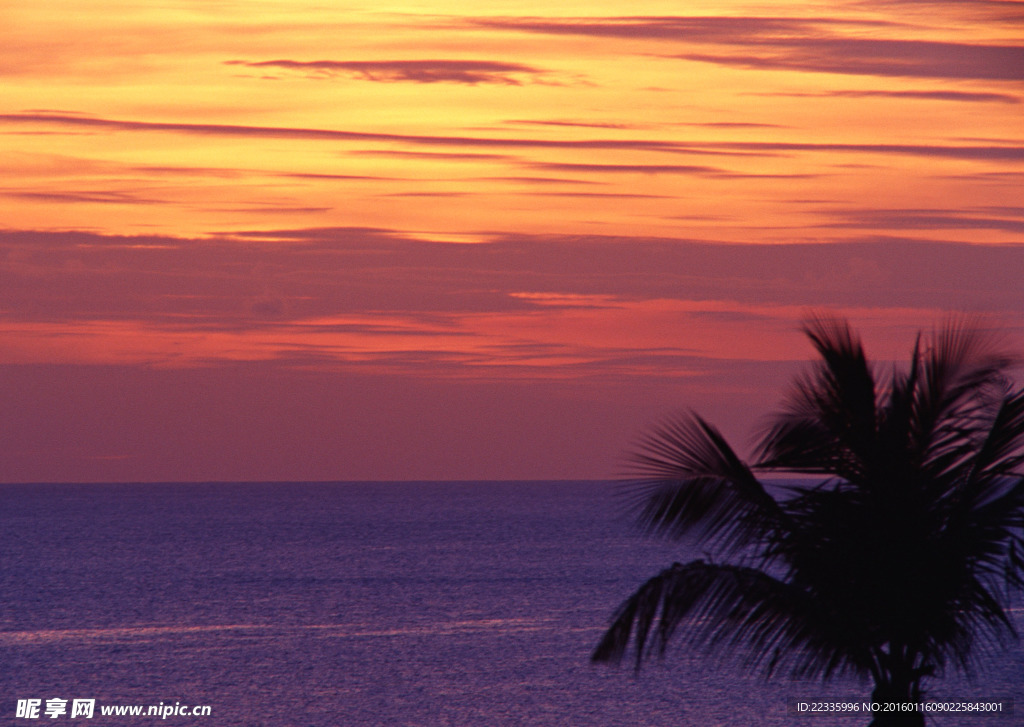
(798, 44)
(988, 152)
(418, 71)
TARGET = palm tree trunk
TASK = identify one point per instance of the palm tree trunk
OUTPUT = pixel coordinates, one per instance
(899, 685)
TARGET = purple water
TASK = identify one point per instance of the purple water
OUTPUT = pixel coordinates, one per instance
(354, 604)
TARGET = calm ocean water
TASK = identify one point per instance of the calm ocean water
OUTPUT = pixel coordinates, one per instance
(351, 604)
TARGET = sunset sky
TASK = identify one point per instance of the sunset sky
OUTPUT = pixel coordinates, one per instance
(290, 240)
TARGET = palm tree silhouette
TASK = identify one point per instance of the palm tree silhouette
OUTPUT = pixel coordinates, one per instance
(895, 562)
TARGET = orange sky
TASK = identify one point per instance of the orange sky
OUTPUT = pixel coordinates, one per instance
(278, 240)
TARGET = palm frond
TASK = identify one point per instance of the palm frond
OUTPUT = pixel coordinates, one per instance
(728, 610)
(829, 422)
(1001, 452)
(962, 375)
(689, 481)
(801, 444)
(984, 522)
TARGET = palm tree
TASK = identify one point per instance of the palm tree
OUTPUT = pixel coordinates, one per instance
(893, 563)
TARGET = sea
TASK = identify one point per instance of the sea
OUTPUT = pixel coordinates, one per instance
(378, 604)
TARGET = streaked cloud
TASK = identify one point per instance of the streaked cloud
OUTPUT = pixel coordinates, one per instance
(700, 29)
(990, 152)
(573, 124)
(934, 95)
(1004, 219)
(1009, 152)
(469, 72)
(895, 58)
(284, 132)
(365, 277)
(1008, 11)
(629, 168)
(100, 196)
(788, 43)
